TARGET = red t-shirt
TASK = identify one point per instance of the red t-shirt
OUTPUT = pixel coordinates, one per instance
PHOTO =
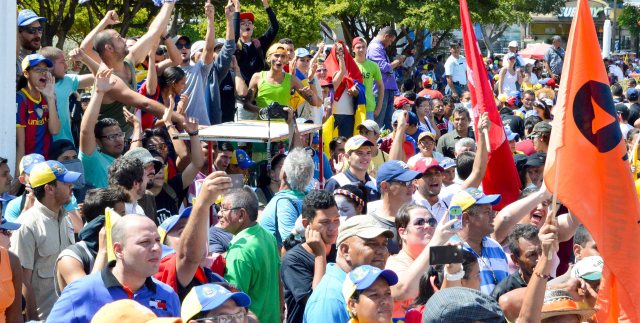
(434, 94)
(147, 119)
(168, 272)
(407, 146)
(33, 116)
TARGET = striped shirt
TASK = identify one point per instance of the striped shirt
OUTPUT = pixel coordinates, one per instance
(493, 263)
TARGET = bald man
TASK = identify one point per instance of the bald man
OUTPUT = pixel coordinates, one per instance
(136, 245)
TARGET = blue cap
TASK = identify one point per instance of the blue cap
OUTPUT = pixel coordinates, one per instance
(447, 163)
(303, 52)
(510, 134)
(363, 277)
(413, 118)
(396, 170)
(51, 170)
(27, 17)
(632, 94)
(170, 222)
(316, 138)
(208, 297)
(27, 162)
(9, 225)
(242, 159)
(33, 60)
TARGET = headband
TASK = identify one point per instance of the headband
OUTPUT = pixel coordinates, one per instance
(350, 195)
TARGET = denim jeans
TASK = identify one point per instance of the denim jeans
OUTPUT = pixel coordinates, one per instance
(384, 118)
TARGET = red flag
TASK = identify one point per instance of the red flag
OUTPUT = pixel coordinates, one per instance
(502, 176)
(587, 167)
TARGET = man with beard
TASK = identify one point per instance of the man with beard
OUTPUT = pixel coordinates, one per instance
(29, 35)
(151, 167)
(461, 120)
(127, 173)
(109, 47)
(252, 51)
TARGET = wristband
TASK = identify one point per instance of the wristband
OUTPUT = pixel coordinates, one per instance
(191, 134)
(454, 277)
(547, 277)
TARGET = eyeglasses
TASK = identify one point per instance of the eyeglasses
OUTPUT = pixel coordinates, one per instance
(227, 210)
(32, 30)
(113, 137)
(39, 69)
(181, 46)
(405, 184)
(5, 232)
(432, 222)
(229, 318)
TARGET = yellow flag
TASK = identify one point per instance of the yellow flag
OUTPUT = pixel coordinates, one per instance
(110, 217)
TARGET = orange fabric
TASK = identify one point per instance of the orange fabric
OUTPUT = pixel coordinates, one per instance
(6, 284)
(586, 140)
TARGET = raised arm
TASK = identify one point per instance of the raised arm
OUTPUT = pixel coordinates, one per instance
(480, 162)
(270, 35)
(197, 158)
(223, 60)
(182, 158)
(110, 18)
(123, 94)
(79, 54)
(139, 51)
(174, 54)
(511, 214)
(339, 75)
(305, 91)
(103, 84)
(210, 37)
(396, 152)
(194, 239)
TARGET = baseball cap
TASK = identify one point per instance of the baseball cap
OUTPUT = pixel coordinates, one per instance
(589, 268)
(396, 170)
(128, 311)
(472, 196)
(242, 159)
(197, 46)
(536, 159)
(632, 94)
(461, 304)
(426, 134)
(357, 40)
(170, 222)
(46, 172)
(542, 127)
(510, 134)
(355, 142)
(551, 82)
(426, 81)
(27, 162)
(558, 302)
(186, 38)
(413, 118)
(9, 225)
(447, 163)
(32, 60)
(422, 166)
(303, 52)
(247, 15)
(363, 277)
(400, 101)
(510, 55)
(59, 147)
(362, 226)
(513, 43)
(27, 17)
(208, 297)
(369, 125)
(143, 155)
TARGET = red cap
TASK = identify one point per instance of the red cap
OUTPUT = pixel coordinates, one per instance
(247, 15)
(551, 82)
(400, 101)
(326, 82)
(357, 40)
(422, 166)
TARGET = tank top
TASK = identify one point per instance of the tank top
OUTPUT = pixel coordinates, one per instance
(6, 284)
(114, 109)
(270, 92)
(509, 82)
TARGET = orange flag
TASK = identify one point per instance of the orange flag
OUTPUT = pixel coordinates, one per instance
(587, 167)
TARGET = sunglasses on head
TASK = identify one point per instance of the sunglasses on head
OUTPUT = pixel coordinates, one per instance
(181, 46)
(32, 30)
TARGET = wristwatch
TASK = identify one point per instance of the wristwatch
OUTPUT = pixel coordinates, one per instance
(454, 277)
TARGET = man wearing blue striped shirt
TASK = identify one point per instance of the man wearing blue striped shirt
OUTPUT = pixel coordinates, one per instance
(477, 225)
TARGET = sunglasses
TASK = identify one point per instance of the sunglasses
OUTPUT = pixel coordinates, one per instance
(181, 46)
(32, 30)
(432, 222)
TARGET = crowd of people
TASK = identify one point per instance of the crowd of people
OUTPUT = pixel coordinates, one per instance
(109, 215)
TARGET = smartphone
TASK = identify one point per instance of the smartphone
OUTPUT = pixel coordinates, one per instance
(442, 255)
(237, 180)
(455, 212)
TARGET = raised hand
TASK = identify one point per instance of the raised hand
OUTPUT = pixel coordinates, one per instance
(49, 88)
(130, 117)
(103, 82)
(484, 122)
(314, 241)
(229, 9)
(443, 231)
(209, 10)
(76, 54)
(166, 117)
(191, 125)
(111, 17)
(182, 105)
(216, 184)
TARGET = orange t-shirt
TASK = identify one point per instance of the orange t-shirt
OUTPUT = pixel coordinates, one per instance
(7, 293)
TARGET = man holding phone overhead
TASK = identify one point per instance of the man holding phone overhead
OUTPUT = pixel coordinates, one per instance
(477, 225)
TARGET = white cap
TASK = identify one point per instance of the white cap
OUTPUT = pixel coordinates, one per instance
(513, 43)
(589, 268)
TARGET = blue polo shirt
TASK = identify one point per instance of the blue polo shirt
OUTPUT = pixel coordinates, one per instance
(81, 299)
(326, 303)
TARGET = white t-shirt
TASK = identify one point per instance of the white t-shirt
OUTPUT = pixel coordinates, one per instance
(456, 68)
(344, 104)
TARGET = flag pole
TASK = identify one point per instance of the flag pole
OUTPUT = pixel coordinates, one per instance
(487, 144)
(551, 219)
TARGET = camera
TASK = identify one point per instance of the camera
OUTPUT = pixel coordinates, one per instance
(274, 110)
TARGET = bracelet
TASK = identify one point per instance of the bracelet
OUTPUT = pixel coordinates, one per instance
(162, 38)
(191, 134)
(136, 140)
(547, 277)
(454, 277)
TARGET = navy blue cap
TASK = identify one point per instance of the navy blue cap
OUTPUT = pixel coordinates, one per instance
(396, 170)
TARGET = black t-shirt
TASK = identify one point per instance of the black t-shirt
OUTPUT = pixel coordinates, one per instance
(227, 98)
(296, 271)
(513, 281)
(634, 112)
(169, 199)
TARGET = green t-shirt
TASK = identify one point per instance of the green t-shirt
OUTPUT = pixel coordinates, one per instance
(96, 168)
(253, 265)
(370, 72)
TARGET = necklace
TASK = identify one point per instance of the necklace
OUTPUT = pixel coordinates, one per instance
(493, 274)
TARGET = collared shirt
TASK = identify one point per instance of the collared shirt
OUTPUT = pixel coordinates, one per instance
(81, 299)
(41, 237)
(555, 58)
(253, 265)
(446, 143)
(493, 263)
(96, 168)
(326, 303)
(346, 177)
(378, 54)
(457, 69)
(438, 209)
(513, 281)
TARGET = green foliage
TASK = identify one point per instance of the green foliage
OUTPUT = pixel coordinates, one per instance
(629, 18)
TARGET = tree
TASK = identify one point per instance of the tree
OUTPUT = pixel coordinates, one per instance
(630, 18)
